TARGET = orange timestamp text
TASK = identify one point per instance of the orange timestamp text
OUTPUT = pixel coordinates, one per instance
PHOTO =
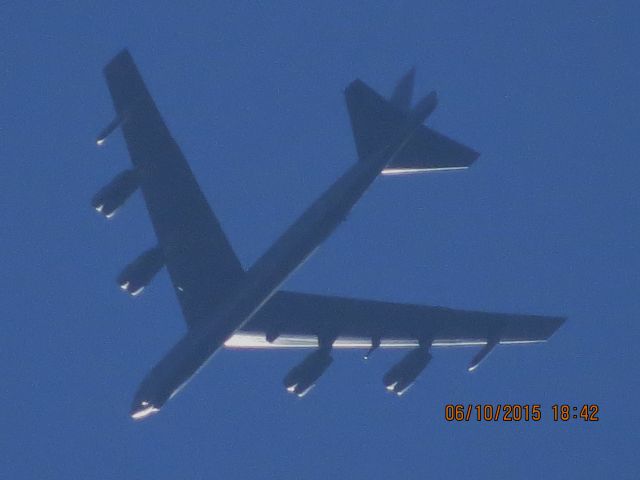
(514, 412)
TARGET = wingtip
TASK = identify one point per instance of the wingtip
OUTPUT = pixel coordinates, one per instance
(120, 58)
(561, 320)
(124, 52)
(409, 75)
(354, 83)
(554, 324)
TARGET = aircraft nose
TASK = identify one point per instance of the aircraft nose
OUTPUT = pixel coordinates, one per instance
(142, 410)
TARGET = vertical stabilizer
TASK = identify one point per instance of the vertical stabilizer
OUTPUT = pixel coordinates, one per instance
(401, 97)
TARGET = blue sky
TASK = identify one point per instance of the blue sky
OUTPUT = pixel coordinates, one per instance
(545, 222)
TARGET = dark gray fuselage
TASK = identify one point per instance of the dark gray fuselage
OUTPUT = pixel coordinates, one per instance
(263, 279)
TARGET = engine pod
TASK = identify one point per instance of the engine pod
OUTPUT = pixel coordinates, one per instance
(139, 273)
(403, 374)
(112, 196)
(302, 378)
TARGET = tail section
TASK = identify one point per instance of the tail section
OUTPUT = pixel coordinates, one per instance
(428, 151)
(375, 121)
(401, 97)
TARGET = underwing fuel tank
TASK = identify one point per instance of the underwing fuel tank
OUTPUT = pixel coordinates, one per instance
(302, 378)
(483, 353)
(403, 374)
(139, 273)
(112, 196)
(106, 131)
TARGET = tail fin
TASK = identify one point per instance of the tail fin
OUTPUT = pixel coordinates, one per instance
(375, 120)
(401, 96)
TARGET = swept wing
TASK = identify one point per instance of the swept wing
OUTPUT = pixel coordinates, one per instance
(201, 263)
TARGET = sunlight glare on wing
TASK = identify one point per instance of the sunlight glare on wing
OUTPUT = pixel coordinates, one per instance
(409, 171)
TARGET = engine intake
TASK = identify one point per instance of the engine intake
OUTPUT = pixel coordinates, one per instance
(139, 273)
(403, 374)
(302, 378)
(115, 193)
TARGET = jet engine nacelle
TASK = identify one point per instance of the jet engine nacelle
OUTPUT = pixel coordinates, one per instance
(404, 373)
(115, 193)
(141, 271)
(303, 377)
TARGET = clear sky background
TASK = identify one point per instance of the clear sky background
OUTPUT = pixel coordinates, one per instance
(545, 222)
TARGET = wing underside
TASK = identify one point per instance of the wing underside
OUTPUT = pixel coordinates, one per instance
(198, 256)
(297, 320)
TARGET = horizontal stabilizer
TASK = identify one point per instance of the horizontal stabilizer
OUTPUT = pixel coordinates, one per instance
(376, 121)
(373, 119)
(429, 150)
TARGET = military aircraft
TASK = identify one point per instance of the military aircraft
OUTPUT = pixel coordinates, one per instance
(225, 305)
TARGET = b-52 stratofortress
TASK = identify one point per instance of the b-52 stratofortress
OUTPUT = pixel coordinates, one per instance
(226, 305)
